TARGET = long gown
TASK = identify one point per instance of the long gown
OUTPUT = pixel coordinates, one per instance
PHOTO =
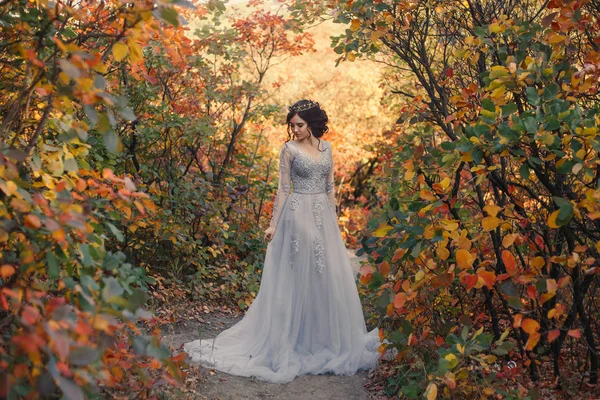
(307, 317)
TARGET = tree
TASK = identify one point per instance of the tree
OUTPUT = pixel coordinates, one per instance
(493, 196)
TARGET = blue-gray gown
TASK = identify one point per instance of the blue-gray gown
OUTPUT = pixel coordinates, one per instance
(307, 317)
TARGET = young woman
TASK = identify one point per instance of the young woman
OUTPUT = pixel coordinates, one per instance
(307, 317)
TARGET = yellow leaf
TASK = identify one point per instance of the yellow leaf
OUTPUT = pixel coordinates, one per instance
(492, 210)
(351, 56)
(443, 253)
(120, 51)
(490, 223)
(452, 360)
(464, 259)
(10, 188)
(432, 391)
(496, 28)
(556, 38)
(135, 51)
(547, 139)
(375, 35)
(382, 230)
(419, 275)
(538, 262)
(355, 25)
(552, 219)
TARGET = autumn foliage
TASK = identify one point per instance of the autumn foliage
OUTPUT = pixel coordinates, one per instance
(120, 131)
(484, 265)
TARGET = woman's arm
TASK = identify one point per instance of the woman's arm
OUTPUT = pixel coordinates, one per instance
(331, 184)
(283, 190)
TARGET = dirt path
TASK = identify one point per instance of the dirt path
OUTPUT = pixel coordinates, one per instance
(215, 385)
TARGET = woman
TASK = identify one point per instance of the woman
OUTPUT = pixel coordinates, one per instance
(307, 317)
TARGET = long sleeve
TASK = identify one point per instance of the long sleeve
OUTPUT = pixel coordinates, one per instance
(330, 188)
(283, 191)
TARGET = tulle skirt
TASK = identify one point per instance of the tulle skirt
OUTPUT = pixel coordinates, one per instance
(307, 317)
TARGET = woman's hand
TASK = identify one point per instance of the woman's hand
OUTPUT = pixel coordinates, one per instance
(269, 234)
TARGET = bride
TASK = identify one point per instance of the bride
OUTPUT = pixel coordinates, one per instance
(307, 317)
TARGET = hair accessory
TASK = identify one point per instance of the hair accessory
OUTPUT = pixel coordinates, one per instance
(296, 108)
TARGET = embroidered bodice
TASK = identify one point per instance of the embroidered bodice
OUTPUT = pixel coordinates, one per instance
(308, 174)
(304, 173)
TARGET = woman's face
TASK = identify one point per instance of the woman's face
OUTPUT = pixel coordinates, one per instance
(299, 128)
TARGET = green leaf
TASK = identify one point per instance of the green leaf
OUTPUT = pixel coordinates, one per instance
(70, 165)
(552, 124)
(488, 105)
(53, 268)
(170, 15)
(115, 231)
(480, 31)
(532, 96)
(86, 258)
(69, 388)
(111, 141)
(127, 113)
(509, 109)
(550, 92)
(84, 356)
(448, 146)
(111, 289)
(531, 125)
(566, 211)
(524, 171)
(70, 69)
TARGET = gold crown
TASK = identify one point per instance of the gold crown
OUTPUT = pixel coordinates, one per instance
(296, 108)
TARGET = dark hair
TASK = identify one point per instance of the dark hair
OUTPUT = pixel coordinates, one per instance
(312, 113)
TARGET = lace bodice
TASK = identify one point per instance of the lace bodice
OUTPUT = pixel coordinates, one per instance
(306, 174)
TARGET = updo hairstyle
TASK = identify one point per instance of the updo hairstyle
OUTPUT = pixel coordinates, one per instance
(311, 112)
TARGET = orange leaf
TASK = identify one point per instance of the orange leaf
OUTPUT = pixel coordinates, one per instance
(399, 300)
(366, 269)
(509, 262)
(534, 338)
(575, 333)
(552, 335)
(517, 320)
(531, 292)
(464, 259)
(6, 271)
(489, 277)
(470, 280)
(530, 326)
(32, 221)
(384, 268)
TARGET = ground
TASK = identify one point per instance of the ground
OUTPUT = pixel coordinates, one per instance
(202, 383)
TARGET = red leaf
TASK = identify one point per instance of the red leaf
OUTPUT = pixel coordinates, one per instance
(509, 262)
(399, 300)
(575, 333)
(552, 335)
(29, 315)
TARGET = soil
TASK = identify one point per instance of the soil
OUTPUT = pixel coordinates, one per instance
(203, 383)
